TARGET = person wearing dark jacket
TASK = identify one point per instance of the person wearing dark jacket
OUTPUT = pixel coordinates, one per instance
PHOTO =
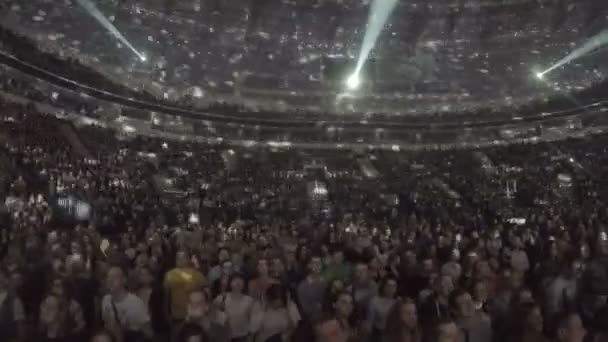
(436, 306)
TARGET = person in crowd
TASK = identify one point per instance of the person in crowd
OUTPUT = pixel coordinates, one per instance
(179, 282)
(102, 336)
(569, 327)
(222, 284)
(191, 332)
(261, 283)
(61, 317)
(561, 292)
(311, 290)
(276, 318)
(237, 306)
(528, 324)
(12, 315)
(55, 323)
(329, 330)
(123, 313)
(445, 330)
(380, 306)
(150, 291)
(343, 310)
(363, 287)
(337, 268)
(475, 326)
(223, 255)
(402, 323)
(437, 305)
(201, 312)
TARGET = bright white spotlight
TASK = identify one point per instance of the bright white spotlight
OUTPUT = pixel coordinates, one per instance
(353, 81)
(143, 58)
(540, 75)
(596, 42)
(90, 7)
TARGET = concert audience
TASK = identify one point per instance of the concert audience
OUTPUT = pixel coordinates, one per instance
(218, 263)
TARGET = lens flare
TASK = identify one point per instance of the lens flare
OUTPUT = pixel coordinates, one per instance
(96, 13)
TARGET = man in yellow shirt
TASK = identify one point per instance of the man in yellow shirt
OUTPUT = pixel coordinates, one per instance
(179, 283)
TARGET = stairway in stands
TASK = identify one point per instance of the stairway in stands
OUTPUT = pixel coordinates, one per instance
(68, 131)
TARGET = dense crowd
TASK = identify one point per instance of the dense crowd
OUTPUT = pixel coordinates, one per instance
(187, 242)
(28, 51)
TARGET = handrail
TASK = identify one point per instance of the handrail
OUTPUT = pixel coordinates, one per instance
(38, 72)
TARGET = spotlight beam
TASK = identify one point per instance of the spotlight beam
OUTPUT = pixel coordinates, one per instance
(595, 42)
(96, 13)
(379, 13)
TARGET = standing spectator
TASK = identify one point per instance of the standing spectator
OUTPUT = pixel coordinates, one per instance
(529, 324)
(475, 325)
(519, 257)
(276, 317)
(569, 328)
(179, 282)
(238, 309)
(380, 306)
(363, 287)
(402, 323)
(221, 285)
(562, 290)
(337, 269)
(311, 291)
(437, 305)
(445, 330)
(103, 336)
(123, 313)
(344, 313)
(61, 317)
(259, 285)
(12, 316)
(216, 271)
(329, 330)
(191, 332)
(212, 321)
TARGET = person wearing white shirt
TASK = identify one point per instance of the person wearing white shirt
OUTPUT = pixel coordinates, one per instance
(238, 308)
(123, 313)
(276, 316)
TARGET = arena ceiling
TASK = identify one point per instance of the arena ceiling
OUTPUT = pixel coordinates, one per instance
(432, 56)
